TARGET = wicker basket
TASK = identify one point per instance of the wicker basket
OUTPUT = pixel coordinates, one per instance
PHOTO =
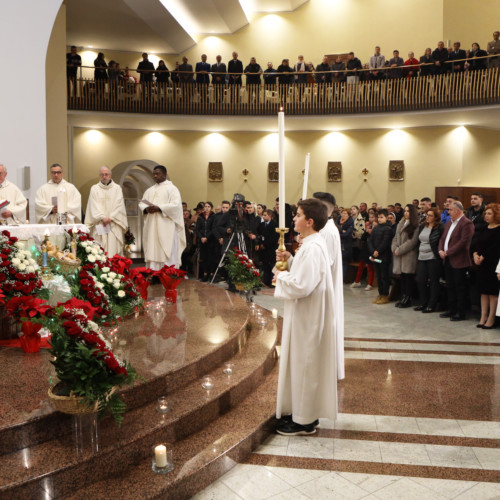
(71, 405)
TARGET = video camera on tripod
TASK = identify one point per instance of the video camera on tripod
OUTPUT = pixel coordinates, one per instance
(236, 215)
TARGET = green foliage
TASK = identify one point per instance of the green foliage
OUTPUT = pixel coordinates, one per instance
(242, 271)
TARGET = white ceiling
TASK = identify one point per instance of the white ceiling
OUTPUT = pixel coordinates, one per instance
(161, 26)
(485, 117)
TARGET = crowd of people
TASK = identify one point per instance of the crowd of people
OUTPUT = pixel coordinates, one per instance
(414, 248)
(439, 61)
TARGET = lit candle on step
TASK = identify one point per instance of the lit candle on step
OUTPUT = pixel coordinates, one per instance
(275, 313)
(161, 456)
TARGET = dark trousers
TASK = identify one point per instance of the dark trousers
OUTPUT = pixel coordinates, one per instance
(456, 286)
(428, 274)
(407, 283)
(383, 277)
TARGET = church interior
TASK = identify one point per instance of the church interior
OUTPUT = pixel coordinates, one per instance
(419, 408)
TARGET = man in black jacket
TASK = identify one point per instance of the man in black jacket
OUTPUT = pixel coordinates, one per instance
(427, 63)
(235, 69)
(268, 243)
(287, 76)
(146, 69)
(321, 76)
(379, 248)
(440, 56)
(458, 57)
(353, 66)
(218, 72)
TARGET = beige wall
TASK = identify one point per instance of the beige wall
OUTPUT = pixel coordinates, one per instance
(433, 157)
(469, 22)
(55, 71)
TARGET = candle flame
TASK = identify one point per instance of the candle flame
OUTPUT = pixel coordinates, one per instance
(281, 108)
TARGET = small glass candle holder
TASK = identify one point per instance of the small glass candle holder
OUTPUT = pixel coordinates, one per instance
(275, 313)
(163, 458)
(228, 368)
(162, 405)
(207, 382)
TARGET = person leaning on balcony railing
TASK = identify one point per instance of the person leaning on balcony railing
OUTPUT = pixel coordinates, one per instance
(339, 67)
(100, 72)
(162, 74)
(253, 72)
(411, 66)
(377, 61)
(202, 70)
(300, 69)
(186, 71)
(395, 63)
(287, 77)
(473, 61)
(440, 56)
(494, 48)
(353, 65)
(457, 56)
(270, 74)
(218, 72)
(321, 76)
(235, 66)
(427, 63)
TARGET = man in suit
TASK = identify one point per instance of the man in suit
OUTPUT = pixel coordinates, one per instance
(454, 249)
(268, 243)
(202, 70)
(218, 72)
(235, 69)
(440, 56)
(186, 71)
(457, 56)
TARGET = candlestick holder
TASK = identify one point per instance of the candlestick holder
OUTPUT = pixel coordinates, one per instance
(282, 265)
(163, 458)
(162, 405)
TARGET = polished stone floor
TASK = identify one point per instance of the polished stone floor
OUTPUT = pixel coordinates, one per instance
(419, 416)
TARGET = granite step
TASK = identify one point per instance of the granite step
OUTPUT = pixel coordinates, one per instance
(40, 423)
(199, 459)
(26, 472)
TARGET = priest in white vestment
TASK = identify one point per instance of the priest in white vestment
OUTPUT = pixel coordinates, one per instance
(307, 382)
(334, 246)
(15, 211)
(106, 216)
(164, 237)
(58, 196)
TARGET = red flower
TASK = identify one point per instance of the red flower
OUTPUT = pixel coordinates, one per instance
(3, 277)
(72, 328)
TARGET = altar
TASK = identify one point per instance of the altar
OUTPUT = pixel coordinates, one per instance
(34, 233)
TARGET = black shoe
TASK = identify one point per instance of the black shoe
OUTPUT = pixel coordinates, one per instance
(457, 317)
(398, 304)
(428, 310)
(446, 314)
(406, 302)
(294, 429)
(419, 308)
(484, 327)
(479, 325)
(288, 418)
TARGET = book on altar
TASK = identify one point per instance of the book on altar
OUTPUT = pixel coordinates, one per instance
(148, 203)
(102, 229)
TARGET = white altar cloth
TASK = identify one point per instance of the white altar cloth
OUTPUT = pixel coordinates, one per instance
(24, 232)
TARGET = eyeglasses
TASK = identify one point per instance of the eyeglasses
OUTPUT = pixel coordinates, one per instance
(56, 173)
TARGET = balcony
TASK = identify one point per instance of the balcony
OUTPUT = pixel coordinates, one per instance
(453, 90)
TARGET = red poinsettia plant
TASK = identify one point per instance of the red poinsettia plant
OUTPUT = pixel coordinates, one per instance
(241, 270)
(170, 276)
(84, 360)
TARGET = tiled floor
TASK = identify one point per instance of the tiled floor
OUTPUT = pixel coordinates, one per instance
(411, 368)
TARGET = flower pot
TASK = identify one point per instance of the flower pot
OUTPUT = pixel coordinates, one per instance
(171, 296)
(71, 405)
(30, 343)
(239, 286)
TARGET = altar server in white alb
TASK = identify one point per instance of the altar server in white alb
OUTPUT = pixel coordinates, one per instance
(307, 382)
(15, 211)
(57, 196)
(164, 237)
(105, 215)
(334, 246)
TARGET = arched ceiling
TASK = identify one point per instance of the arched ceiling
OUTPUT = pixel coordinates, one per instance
(161, 26)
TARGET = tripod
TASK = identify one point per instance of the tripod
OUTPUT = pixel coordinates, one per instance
(241, 245)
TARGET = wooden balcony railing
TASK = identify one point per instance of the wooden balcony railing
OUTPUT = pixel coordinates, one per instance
(420, 93)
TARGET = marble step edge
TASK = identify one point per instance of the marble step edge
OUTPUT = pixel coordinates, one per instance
(199, 459)
(142, 426)
(44, 428)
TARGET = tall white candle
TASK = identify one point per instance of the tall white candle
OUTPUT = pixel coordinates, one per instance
(161, 456)
(281, 191)
(62, 206)
(306, 176)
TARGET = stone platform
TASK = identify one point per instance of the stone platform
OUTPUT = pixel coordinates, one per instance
(172, 347)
